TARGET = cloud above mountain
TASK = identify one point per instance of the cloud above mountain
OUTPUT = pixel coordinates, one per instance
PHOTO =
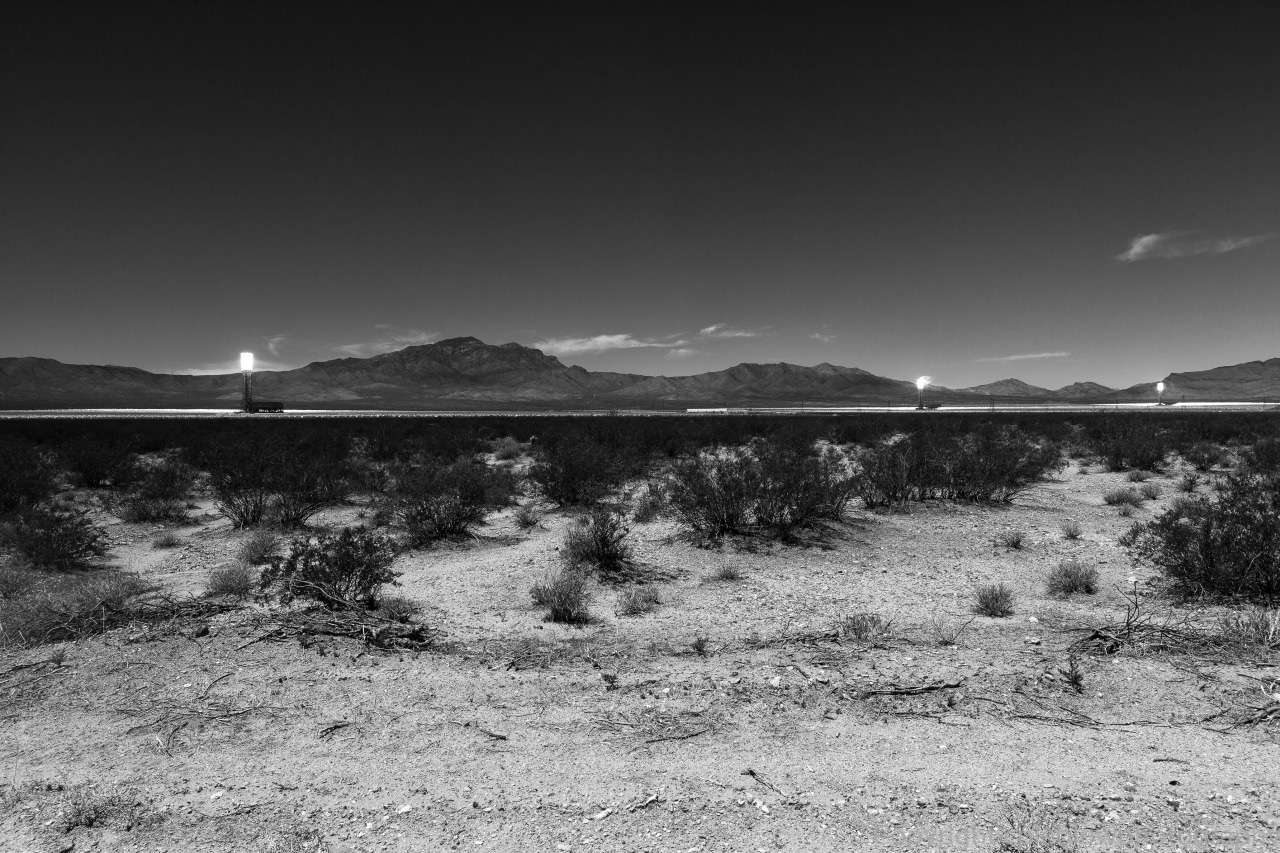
(1181, 245)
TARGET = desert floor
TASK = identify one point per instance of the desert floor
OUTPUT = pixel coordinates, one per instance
(733, 717)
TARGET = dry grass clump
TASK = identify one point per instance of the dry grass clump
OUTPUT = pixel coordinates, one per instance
(564, 594)
(168, 539)
(728, 572)
(1138, 476)
(1072, 530)
(1257, 629)
(863, 626)
(638, 601)
(1072, 576)
(527, 517)
(1149, 491)
(944, 631)
(398, 608)
(1122, 497)
(598, 540)
(258, 548)
(1014, 540)
(993, 599)
(56, 607)
(234, 580)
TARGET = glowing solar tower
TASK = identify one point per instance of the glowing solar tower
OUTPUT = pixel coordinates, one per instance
(920, 386)
(246, 368)
(1159, 393)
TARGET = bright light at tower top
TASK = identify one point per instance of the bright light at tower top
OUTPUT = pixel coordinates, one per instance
(923, 381)
(1159, 387)
(246, 361)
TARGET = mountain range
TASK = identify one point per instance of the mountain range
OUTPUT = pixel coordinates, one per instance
(468, 374)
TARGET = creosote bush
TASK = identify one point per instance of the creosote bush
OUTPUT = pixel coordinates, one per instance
(578, 470)
(1149, 491)
(994, 599)
(1072, 576)
(564, 593)
(54, 537)
(1228, 546)
(1204, 456)
(506, 449)
(598, 540)
(339, 571)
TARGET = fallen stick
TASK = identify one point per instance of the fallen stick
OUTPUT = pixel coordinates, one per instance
(912, 691)
(678, 737)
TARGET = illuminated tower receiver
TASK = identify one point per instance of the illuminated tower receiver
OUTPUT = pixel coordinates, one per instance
(920, 386)
(246, 367)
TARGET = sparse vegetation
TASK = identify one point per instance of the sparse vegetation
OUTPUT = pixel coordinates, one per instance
(1204, 456)
(1138, 476)
(67, 606)
(1188, 483)
(1149, 491)
(398, 608)
(727, 571)
(54, 537)
(27, 476)
(993, 599)
(527, 516)
(598, 540)
(946, 631)
(339, 571)
(1122, 497)
(1014, 540)
(440, 501)
(168, 539)
(637, 601)
(1072, 530)
(863, 627)
(1255, 629)
(258, 547)
(506, 449)
(564, 593)
(650, 503)
(234, 580)
(1072, 576)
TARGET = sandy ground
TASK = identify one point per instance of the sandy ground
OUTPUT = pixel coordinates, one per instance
(517, 734)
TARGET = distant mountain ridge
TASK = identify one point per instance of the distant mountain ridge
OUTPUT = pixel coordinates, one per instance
(466, 373)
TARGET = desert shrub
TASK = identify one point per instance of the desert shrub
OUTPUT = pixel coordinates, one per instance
(945, 631)
(59, 607)
(794, 489)
(649, 503)
(242, 481)
(27, 476)
(258, 548)
(637, 601)
(1014, 540)
(95, 462)
(502, 486)
(564, 594)
(339, 571)
(1263, 456)
(1125, 510)
(136, 509)
(1122, 497)
(166, 479)
(1072, 530)
(1256, 629)
(234, 580)
(728, 572)
(1229, 546)
(862, 626)
(1188, 483)
(1072, 576)
(1139, 446)
(598, 539)
(993, 599)
(884, 476)
(1138, 476)
(577, 471)
(54, 537)
(713, 494)
(300, 489)
(16, 579)
(527, 517)
(506, 448)
(438, 501)
(1204, 456)
(1149, 491)
(397, 608)
(168, 539)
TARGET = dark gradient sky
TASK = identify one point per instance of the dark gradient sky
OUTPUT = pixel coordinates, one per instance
(895, 191)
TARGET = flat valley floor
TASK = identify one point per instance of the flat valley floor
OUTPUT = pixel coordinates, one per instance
(733, 717)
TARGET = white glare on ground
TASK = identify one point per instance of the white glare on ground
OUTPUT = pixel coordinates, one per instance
(246, 361)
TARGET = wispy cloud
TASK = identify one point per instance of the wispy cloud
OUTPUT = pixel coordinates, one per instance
(218, 368)
(681, 352)
(1026, 356)
(388, 338)
(275, 342)
(723, 330)
(600, 343)
(1183, 244)
(822, 337)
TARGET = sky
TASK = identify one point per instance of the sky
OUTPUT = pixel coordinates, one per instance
(1054, 194)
